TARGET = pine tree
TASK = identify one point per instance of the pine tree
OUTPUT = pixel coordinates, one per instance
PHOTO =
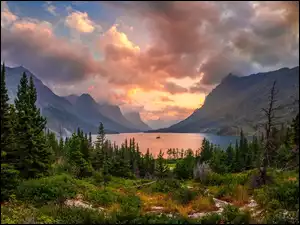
(237, 164)
(35, 154)
(9, 175)
(161, 167)
(206, 153)
(98, 154)
(90, 140)
(101, 136)
(81, 167)
(295, 131)
(230, 158)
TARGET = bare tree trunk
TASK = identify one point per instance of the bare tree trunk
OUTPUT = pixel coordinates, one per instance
(270, 114)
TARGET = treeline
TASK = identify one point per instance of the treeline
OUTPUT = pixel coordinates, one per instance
(244, 155)
(81, 157)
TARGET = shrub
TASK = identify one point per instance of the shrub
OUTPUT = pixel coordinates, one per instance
(47, 189)
(165, 185)
(72, 215)
(230, 178)
(130, 208)
(282, 216)
(233, 215)
(202, 203)
(17, 213)
(273, 205)
(184, 196)
(102, 197)
(211, 218)
(287, 193)
(97, 177)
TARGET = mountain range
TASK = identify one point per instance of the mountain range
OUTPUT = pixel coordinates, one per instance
(234, 104)
(237, 102)
(66, 114)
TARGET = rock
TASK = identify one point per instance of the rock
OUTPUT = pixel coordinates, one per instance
(79, 197)
(77, 203)
(198, 215)
(219, 203)
(157, 208)
(252, 204)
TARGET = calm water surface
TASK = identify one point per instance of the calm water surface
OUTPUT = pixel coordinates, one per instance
(170, 140)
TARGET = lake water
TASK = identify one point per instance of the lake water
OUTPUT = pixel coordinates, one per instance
(170, 140)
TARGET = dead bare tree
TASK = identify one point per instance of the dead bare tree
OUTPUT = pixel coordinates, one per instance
(269, 112)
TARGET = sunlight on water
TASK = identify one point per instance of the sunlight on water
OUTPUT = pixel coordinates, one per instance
(169, 140)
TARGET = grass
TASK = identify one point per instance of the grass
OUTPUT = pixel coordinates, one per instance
(42, 199)
(171, 166)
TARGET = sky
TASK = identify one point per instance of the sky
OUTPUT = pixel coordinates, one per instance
(158, 58)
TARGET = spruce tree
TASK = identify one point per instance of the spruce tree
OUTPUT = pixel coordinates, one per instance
(9, 175)
(35, 154)
(98, 154)
(230, 158)
(7, 120)
(206, 153)
(237, 164)
(161, 167)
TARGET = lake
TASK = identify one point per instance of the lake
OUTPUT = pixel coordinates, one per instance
(170, 140)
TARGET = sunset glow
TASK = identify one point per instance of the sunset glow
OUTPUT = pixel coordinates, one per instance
(159, 58)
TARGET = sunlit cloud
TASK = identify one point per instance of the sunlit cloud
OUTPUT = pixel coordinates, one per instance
(159, 58)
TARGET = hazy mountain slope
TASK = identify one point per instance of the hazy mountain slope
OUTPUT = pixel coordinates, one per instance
(114, 113)
(237, 101)
(87, 108)
(135, 118)
(159, 123)
(60, 113)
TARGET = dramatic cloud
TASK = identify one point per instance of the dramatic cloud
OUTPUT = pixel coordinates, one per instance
(217, 38)
(174, 88)
(32, 43)
(80, 21)
(7, 18)
(152, 50)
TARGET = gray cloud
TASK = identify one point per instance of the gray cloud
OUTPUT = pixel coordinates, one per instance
(215, 38)
(174, 88)
(219, 37)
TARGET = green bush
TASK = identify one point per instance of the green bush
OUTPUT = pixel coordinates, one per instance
(165, 185)
(273, 205)
(184, 195)
(102, 197)
(233, 215)
(211, 218)
(287, 193)
(18, 213)
(281, 216)
(54, 188)
(72, 215)
(229, 178)
(159, 219)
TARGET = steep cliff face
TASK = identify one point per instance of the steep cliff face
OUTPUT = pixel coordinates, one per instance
(135, 118)
(64, 114)
(237, 102)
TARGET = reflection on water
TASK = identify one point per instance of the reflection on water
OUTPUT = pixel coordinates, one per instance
(169, 140)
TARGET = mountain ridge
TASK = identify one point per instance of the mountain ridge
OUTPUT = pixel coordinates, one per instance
(245, 95)
(61, 113)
